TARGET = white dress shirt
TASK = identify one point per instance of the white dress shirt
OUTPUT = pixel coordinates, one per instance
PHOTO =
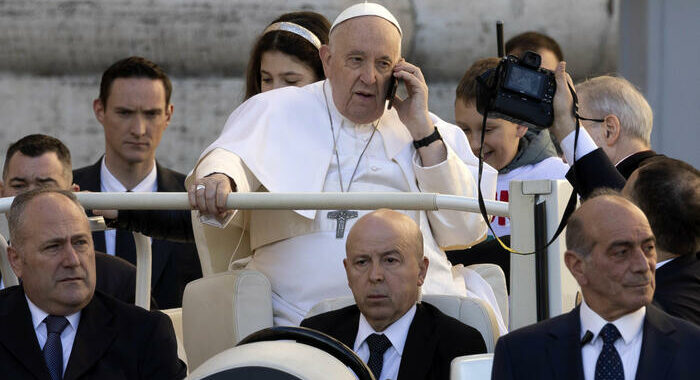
(67, 335)
(629, 346)
(110, 183)
(585, 145)
(397, 333)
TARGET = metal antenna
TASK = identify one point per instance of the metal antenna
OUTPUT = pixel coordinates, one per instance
(499, 36)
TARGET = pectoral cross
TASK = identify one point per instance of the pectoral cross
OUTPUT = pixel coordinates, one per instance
(341, 216)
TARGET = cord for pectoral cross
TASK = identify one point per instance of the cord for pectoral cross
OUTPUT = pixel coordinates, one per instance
(341, 216)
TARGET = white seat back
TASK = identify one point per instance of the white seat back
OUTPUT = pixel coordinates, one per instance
(300, 360)
(493, 274)
(471, 367)
(217, 247)
(8, 275)
(176, 318)
(470, 311)
(220, 310)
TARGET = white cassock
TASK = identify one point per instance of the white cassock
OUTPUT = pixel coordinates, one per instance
(281, 141)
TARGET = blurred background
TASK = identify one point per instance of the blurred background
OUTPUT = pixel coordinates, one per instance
(53, 53)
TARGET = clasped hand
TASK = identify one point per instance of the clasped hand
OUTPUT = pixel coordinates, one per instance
(209, 195)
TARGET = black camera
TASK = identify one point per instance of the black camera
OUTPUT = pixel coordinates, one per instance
(518, 90)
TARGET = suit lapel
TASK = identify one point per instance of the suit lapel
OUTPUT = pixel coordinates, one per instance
(18, 336)
(658, 349)
(89, 179)
(564, 350)
(631, 163)
(346, 329)
(417, 356)
(160, 254)
(166, 179)
(95, 335)
(98, 239)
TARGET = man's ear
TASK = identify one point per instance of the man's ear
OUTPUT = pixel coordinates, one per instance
(99, 110)
(422, 270)
(168, 113)
(325, 54)
(576, 266)
(347, 273)
(521, 131)
(611, 129)
(15, 261)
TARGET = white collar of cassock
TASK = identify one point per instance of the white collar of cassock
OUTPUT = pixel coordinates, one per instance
(394, 139)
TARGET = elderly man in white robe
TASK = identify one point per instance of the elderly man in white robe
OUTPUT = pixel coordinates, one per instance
(337, 135)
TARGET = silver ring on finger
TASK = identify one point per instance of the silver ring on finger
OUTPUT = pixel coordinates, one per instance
(200, 187)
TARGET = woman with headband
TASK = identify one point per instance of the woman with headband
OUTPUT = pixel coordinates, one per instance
(286, 54)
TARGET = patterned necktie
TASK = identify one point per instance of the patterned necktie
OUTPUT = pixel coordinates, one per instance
(53, 349)
(378, 344)
(609, 365)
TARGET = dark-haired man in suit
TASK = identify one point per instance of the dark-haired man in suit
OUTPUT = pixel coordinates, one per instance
(397, 336)
(615, 333)
(134, 108)
(668, 192)
(55, 325)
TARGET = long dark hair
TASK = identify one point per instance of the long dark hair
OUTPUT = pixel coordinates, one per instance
(290, 44)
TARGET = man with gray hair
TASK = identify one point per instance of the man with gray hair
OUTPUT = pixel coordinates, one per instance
(615, 333)
(41, 161)
(625, 132)
(55, 325)
(617, 137)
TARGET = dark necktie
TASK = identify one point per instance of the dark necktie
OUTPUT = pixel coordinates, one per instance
(378, 344)
(124, 246)
(609, 364)
(53, 349)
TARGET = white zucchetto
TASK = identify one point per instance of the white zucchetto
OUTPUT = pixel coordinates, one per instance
(366, 9)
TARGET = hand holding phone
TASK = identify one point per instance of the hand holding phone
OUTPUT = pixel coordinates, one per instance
(391, 91)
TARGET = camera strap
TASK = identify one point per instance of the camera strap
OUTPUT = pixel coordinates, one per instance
(571, 204)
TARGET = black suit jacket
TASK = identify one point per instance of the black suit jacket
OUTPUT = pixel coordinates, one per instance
(631, 163)
(115, 276)
(595, 170)
(552, 349)
(433, 340)
(678, 288)
(174, 263)
(114, 341)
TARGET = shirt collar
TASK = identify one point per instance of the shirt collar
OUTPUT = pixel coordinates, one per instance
(626, 157)
(110, 183)
(39, 315)
(397, 332)
(629, 325)
(662, 263)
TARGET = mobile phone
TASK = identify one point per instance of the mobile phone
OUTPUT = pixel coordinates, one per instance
(391, 91)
